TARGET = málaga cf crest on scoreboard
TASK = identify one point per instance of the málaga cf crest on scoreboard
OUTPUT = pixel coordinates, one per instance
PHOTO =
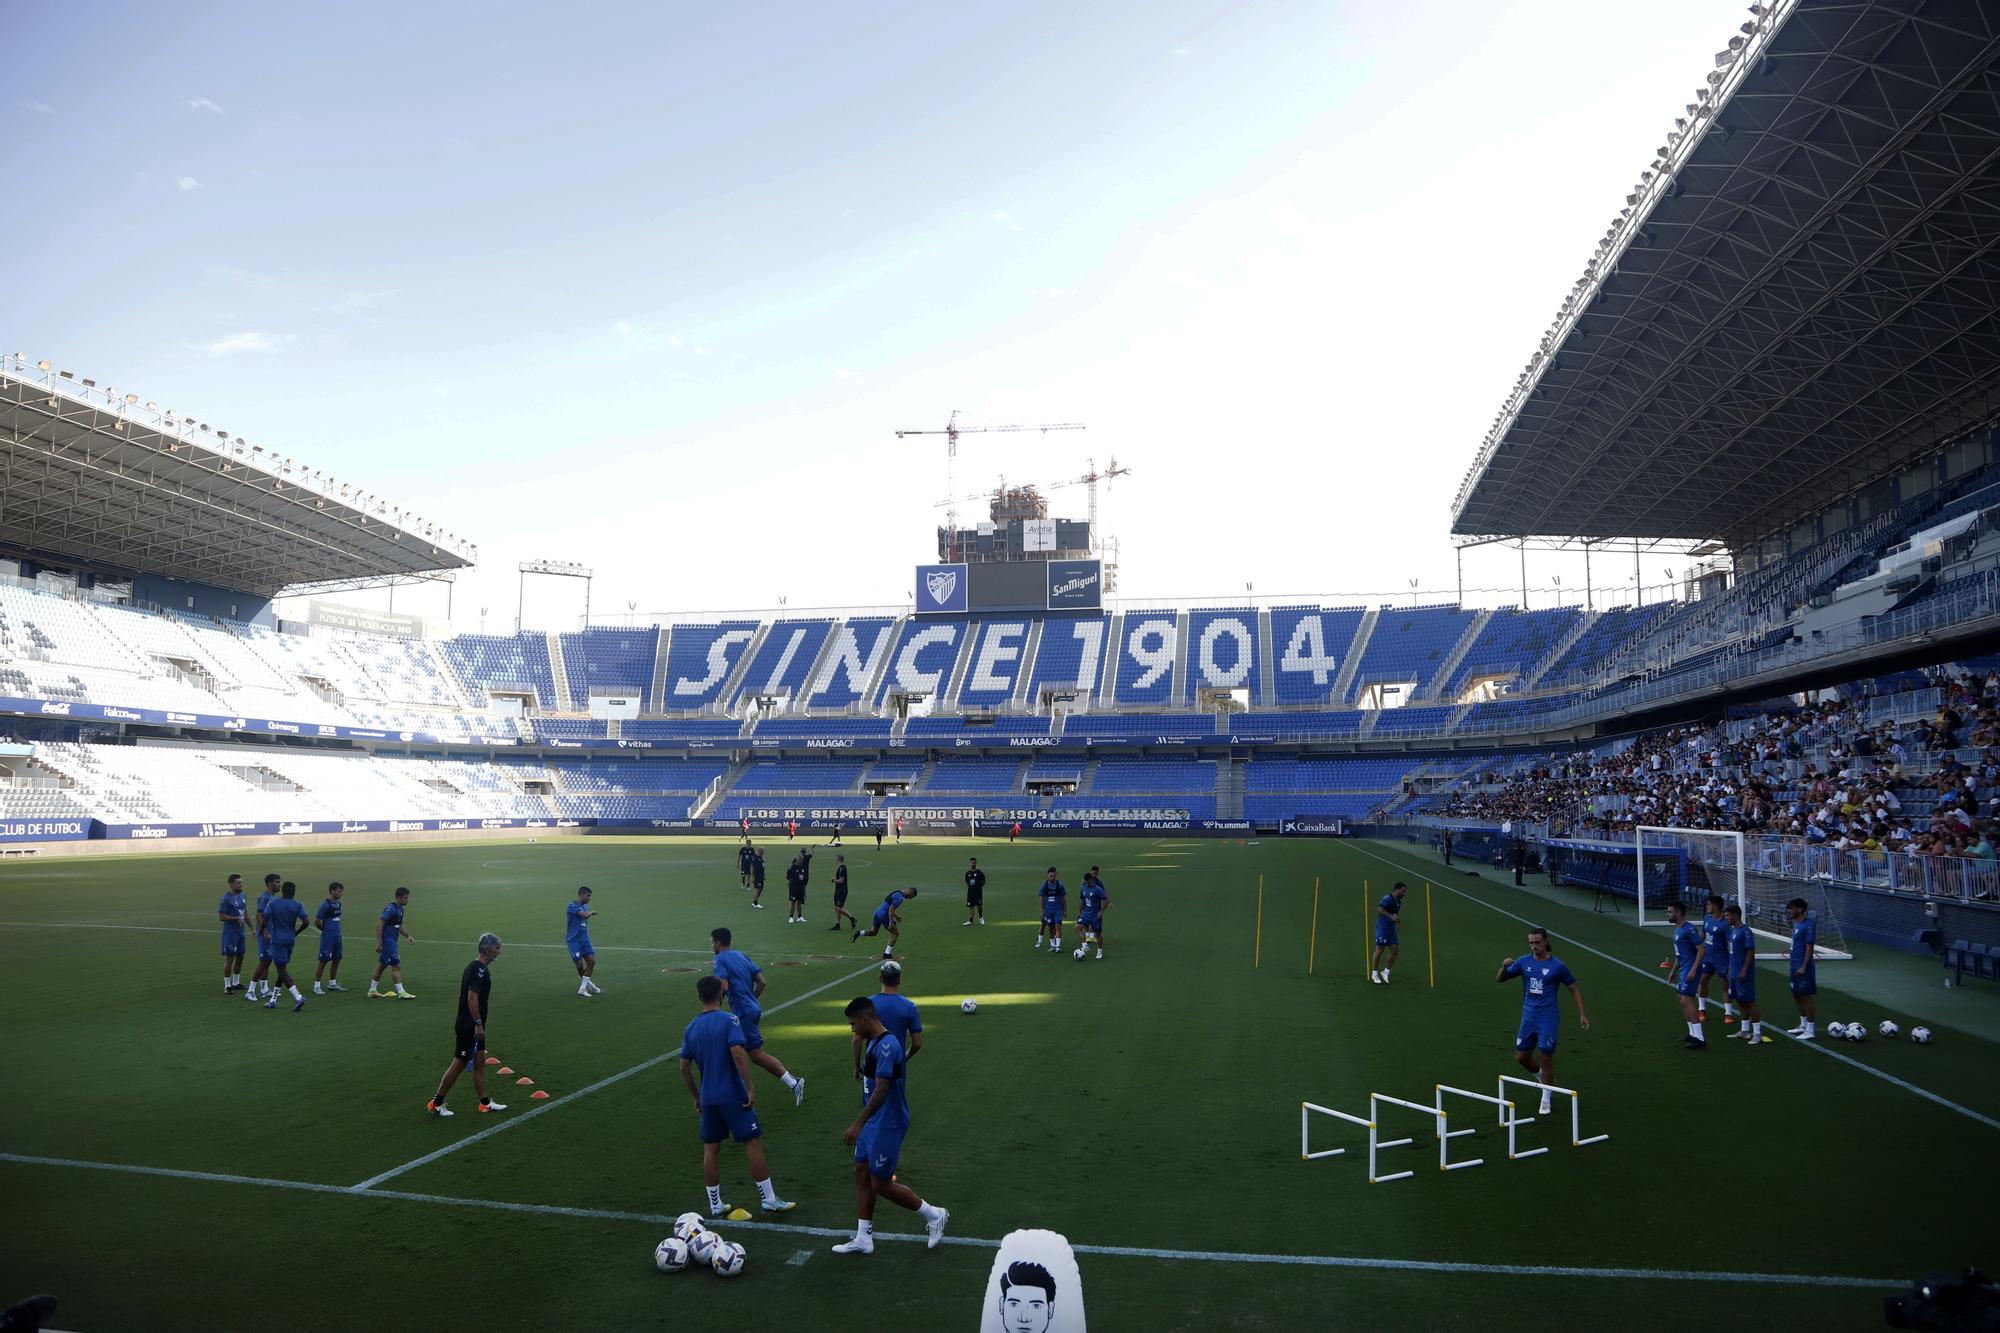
(942, 583)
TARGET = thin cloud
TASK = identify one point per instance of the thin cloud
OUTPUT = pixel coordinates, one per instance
(203, 104)
(38, 108)
(624, 326)
(186, 183)
(854, 378)
(249, 341)
(1178, 51)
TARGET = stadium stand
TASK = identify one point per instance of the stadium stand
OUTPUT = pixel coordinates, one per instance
(1409, 645)
(604, 661)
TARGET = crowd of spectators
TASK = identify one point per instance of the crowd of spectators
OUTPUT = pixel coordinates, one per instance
(1821, 772)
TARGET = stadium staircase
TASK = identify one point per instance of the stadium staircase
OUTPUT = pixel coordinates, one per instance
(1267, 668)
(1030, 653)
(461, 697)
(1086, 781)
(1020, 787)
(1230, 781)
(953, 683)
(1107, 692)
(561, 669)
(1351, 664)
(810, 681)
(924, 776)
(1368, 720)
(715, 794)
(733, 682)
(1458, 715)
(1179, 693)
(883, 665)
(1554, 655)
(1446, 671)
(656, 700)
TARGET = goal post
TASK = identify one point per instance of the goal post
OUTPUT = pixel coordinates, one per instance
(1685, 866)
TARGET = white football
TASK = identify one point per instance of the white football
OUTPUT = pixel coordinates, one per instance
(727, 1261)
(1838, 1030)
(968, 1006)
(688, 1224)
(1080, 951)
(670, 1255)
(1857, 1032)
(1921, 1036)
(1889, 1029)
(704, 1245)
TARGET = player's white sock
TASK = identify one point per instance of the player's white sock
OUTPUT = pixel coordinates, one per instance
(371, 988)
(296, 995)
(1756, 1028)
(1701, 1004)
(864, 1229)
(789, 1080)
(929, 1212)
(225, 985)
(399, 988)
(769, 1191)
(714, 1198)
(1385, 976)
(1728, 1009)
(1694, 1030)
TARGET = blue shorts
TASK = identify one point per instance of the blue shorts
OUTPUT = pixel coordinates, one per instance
(389, 958)
(881, 916)
(880, 1148)
(729, 1122)
(1709, 969)
(281, 954)
(1052, 919)
(1385, 935)
(330, 949)
(753, 1035)
(580, 950)
(1807, 982)
(232, 947)
(1090, 923)
(1745, 991)
(263, 950)
(1538, 1032)
(1686, 979)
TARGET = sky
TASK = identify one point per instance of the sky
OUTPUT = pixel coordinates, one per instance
(652, 287)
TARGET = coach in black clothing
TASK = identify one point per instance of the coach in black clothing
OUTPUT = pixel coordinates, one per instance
(475, 991)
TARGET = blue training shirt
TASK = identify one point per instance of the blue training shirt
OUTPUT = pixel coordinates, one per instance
(285, 917)
(576, 928)
(329, 917)
(1539, 980)
(1715, 934)
(735, 967)
(232, 904)
(706, 1043)
(264, 901)
(884, 1059)
(1091, 900)
(899, 1016)
(1389, 905)
(1742, 944)
(1805, 936)
(392, 925)
(1687, 939)
(1054, 897)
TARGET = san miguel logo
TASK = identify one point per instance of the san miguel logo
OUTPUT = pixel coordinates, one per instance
(941, 584)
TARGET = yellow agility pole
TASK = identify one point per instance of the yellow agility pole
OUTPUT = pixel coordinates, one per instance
(1258, 961)
(1312, 944)
(1367, 931)
(1430, 950)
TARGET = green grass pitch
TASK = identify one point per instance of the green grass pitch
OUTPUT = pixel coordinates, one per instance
(1147, 1105)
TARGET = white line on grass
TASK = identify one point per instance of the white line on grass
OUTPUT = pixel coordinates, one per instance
(1369, 1262)
(580, 1093)
(1636, 970)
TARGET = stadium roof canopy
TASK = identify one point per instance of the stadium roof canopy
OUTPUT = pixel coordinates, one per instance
(1801, 296)
(94, 476)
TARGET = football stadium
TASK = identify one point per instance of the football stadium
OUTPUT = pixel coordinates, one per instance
(1340, 842)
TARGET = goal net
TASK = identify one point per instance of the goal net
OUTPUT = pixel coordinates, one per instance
(1685, 866)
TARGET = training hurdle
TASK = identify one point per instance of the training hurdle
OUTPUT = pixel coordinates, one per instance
(1506, 1113)
(1576, 1139)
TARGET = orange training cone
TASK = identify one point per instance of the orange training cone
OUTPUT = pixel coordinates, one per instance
(505, 1070)
(491, 1060)
(538, 1096)
(525, 1082)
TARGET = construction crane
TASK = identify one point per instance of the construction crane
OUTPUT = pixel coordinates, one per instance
(952, 430)
(1111, 472)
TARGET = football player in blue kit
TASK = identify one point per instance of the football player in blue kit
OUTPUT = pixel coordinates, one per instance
(1541, 974)
(1689, 952)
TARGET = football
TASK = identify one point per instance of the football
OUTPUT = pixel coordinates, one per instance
(704, 1245)
(687, 1224)
(727, 1261)
(1081, 950)
(1921, 1036)
(1836, 1030)
(968, 1006)
(1888, 1028)
(1857, 1031)
(670, 1255)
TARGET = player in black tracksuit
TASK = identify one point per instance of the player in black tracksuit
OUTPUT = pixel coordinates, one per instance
(840, 894)
(975, 893)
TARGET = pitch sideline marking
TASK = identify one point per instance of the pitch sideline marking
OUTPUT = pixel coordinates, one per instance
(1634, 968)
(578, 1095)
(1120, 1251)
